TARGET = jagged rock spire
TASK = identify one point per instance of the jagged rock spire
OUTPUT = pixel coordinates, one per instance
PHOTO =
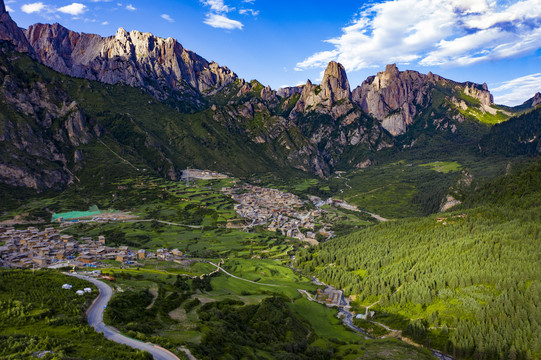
(2, 7)
(335, 84)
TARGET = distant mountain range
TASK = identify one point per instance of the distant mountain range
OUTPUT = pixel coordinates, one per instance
(149, 102)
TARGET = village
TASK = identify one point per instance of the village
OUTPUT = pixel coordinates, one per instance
(48, 248)
(275, 210)
(278, 211)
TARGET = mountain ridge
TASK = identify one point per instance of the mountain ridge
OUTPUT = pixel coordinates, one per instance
(313, 128)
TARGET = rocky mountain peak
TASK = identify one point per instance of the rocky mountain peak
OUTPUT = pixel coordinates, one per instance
(386, 78)
(391, 69)
(9, 31)
(335, 85)
(121, 35)
(132, 58)
(393, 96)
(479, 92)
(536, 100)
(333, 88)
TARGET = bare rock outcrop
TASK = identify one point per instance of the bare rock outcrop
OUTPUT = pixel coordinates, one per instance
(536, 100)
(333, 88)
(479, 92)
(9, 31)
(335, 84)
(132, 58)
(397, 98)
(533, 102)
(286, 92)
(393, 97)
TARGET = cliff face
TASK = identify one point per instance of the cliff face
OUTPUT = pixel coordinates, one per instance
(396, 98)
(10, 32)
(243, 126)
(40, 127)
(393, 97)
(332, 122)
(131, 58)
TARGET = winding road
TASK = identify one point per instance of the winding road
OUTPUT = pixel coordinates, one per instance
(94, 315)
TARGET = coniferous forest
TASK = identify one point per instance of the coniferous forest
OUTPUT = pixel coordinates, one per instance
(468, 282)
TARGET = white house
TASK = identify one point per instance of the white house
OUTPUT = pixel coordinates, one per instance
(80, 292)
(66, 286)
(87, 290)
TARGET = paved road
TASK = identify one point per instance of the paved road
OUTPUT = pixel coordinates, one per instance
(94, 315)
(347, 319)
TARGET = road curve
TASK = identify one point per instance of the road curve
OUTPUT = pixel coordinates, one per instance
(94, 315)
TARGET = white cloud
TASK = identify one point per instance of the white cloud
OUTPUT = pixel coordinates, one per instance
(105, 23)
(516, 91)
(222, 22)
(74, 9)
(216, 17)
(217, 6)
(249, 12)
(434, 32)
(33, 8)
(9, 9)
(167, 17)
(130, 7)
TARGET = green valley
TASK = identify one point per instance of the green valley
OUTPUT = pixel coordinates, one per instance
(154, 204)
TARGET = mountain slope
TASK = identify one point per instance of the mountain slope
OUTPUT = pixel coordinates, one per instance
(520, 135)
(162, 107)
(397, 99)
(466, 283)
(136, 59)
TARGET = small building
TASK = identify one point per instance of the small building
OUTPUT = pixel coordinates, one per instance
(40, 261)
(369, 314)
(66, 238)
(80, 292)
(86, 259)
(66, 286)
(87, 290)
(101, 240)
(141, 254)
(120, 257)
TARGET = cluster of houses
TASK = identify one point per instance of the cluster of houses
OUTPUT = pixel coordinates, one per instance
(255, 202)
(278, 210)
(331, 297)
(48, 248)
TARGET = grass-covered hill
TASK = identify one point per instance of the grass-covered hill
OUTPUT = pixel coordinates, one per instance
(467, 282)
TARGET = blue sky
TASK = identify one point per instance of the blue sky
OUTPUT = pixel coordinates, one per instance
(282, 42)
